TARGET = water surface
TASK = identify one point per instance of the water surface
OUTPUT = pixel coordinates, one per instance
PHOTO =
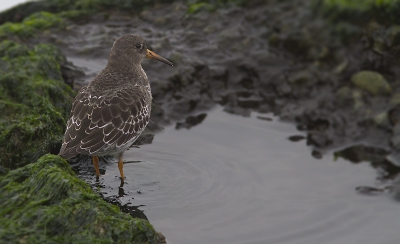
(235, 179)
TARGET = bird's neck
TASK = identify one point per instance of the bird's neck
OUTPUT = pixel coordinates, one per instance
(117, 75)
(121, 62)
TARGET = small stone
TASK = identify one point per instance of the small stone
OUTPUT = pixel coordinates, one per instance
(210, 29)
(395, 99)
(302, 78)
(228, 37)
(160, 21)
(176, 57)
(358, 99)
(274, 39)
(381, 119)
(395, 35)
(372, 82)
(395, 140)
(341, 67)
(344, 94)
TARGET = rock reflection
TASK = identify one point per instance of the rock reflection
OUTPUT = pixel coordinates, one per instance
(133, 211)
(191, 121)
(83, 167)
(360, 153)
(379, 158)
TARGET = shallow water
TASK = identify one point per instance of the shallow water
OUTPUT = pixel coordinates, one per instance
(233, 179)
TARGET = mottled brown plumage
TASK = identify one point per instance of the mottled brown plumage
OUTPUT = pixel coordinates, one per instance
(111, 112)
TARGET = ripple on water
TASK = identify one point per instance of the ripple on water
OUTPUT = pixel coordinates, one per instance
(167, 178)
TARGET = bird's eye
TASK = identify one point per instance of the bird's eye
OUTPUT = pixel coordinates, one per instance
(138, 46)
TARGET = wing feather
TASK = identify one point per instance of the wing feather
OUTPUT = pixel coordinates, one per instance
(100, 124)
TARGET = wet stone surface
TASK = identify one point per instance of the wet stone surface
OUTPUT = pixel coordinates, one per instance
(245, 61)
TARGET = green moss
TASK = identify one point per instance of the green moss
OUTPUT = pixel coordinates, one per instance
(346, 4)
(362, 5)
(27, 28)
(91, 6)
(360, 11)
(11, 49)
(45, 202)
(42, 20)
(34, 101)
(371, 81)
(195, 6)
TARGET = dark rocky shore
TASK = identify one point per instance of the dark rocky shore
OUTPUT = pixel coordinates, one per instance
(330, 68)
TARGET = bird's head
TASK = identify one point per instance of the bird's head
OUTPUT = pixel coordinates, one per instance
(132, 48)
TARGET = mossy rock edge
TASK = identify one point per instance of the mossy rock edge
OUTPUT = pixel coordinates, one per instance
(44, 202)
(34, 101)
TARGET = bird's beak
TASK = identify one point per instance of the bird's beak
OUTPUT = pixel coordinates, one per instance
(153, 55)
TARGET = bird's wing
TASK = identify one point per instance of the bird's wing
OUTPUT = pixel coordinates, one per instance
(106, 121)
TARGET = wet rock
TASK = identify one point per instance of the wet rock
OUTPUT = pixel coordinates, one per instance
(394, 35)
(394, 158)
(372, 82)
(70, 73)
(344, 96)
(301, 78)
(382, 120)
(396, 189)
(46, 202)
(318, 139)
(395, 140)
(394, 115)
(283, 89)
(395, 99)
(341, 67)
(245, 112)
(274, 39)
(229, 37)
(316, 154)
(249, 101)
(296, 138)
(297, 42)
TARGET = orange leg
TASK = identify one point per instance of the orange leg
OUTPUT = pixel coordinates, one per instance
(121, 168)
(95, 160)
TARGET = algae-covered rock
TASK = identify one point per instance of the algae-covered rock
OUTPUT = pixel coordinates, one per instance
(35, 22)
(34, 101)
(372, 82)
(44, 202)
(360, 10)
(348, 97)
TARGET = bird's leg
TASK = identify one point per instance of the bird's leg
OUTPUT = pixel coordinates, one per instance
(95, 160)
(121, 167)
